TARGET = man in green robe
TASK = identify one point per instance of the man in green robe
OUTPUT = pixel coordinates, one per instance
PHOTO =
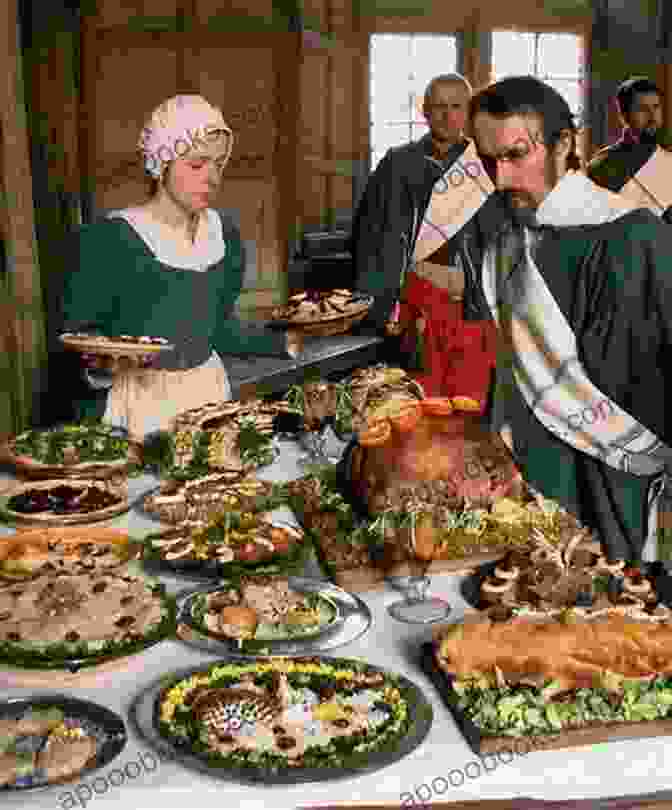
(639, 165)
(581, 288)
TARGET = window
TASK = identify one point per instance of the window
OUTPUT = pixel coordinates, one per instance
(556, 59)
(402, 65)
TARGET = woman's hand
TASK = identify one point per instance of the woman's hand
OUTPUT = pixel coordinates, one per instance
(294, 342)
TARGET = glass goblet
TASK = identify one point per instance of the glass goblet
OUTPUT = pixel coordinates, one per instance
(417, 607)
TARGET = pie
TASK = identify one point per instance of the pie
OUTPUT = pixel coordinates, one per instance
(234, 539)
(44, 746)
(315, 305)
(544, 677)
(285, 713)
(144, 340)
(67, 498)
(261, 609)
(71, 599)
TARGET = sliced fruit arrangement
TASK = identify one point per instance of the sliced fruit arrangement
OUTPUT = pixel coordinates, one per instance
(402, 416)
(64, 501)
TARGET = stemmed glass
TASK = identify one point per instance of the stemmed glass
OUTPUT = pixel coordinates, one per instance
(416, 607)
(319, 411)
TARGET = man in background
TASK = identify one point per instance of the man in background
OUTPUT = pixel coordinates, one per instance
(581, 290)
(639, 165)
(419, 228)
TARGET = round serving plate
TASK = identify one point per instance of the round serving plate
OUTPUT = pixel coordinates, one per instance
(104, 725)
(212, 569)
(144, 714)
(51, 519)
(330, 325)
(352, 619)
(111, 348)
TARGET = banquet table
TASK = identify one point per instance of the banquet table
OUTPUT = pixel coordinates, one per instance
(442, 769)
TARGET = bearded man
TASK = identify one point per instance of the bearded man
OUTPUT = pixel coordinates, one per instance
(580, 285)
(425, 214)
(639, 165)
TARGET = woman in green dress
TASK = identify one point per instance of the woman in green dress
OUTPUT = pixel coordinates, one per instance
(170, 268)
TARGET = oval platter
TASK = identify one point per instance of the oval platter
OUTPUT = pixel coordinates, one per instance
(352, 618)
(408, 720)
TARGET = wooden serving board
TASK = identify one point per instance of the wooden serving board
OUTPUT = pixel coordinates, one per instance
(30, 468)
(580, 737)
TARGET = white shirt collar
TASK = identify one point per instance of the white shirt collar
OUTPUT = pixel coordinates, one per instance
(576, 200)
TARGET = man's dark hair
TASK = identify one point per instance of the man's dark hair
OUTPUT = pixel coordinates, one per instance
(632, 87)
(527, 95)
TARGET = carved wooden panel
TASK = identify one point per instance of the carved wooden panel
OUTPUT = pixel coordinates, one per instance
(243, 83)
(133, 12)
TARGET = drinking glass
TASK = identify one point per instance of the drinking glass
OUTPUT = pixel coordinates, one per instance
(417, 607)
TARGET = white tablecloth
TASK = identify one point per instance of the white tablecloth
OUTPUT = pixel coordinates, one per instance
(444, 763)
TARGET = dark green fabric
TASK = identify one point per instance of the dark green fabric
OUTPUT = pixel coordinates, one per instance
(613, 283)
(117, 286)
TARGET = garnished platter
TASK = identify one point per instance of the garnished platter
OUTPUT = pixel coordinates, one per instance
(271, 616)
(74, 601)
(81, 450)
(547, 581)
(114, 345)
(284, 721)
(226, 437)
(235, 542)
(318, 312)
(545, 683)
(65, 501)
(49, 740)
(203, 499)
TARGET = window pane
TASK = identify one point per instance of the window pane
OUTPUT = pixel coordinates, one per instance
(392, 105)
(559, 55)
(512, 53)
(386, 136)
(401, 67)
(432, 55)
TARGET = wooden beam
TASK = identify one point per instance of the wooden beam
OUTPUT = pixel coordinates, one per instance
(23, 293)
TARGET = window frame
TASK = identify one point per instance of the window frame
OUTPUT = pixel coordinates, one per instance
(457, 36)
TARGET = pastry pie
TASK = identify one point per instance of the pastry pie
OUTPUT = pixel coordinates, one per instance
(312, 306)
